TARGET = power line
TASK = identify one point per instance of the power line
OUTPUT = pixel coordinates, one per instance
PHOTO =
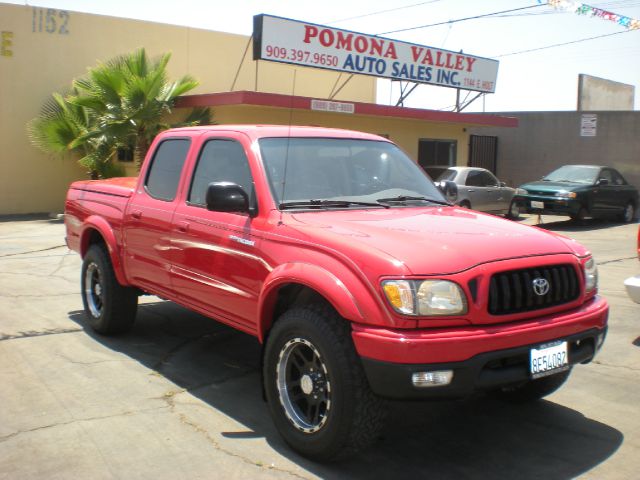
(382, 11)
(561, 44)
(464, 19)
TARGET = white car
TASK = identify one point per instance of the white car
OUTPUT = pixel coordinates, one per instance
(632, 284)
(479, 189)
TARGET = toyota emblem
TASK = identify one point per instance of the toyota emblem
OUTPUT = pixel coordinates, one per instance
(540, 286)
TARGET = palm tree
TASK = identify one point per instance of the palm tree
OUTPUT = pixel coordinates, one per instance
(60, 126)
(119, 104)
(130, 95)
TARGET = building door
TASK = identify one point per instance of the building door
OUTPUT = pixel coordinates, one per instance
(483, 152)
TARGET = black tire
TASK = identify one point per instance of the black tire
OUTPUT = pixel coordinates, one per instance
(110, 307)
(465, 204)
(628, 214)
(316, 388)
(581, 216)
(533, 389)
(514, 211)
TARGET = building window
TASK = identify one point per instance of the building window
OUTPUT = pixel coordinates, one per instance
(437, 152)
(125, 154)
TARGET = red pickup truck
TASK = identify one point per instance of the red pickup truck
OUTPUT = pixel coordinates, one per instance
(340, 255)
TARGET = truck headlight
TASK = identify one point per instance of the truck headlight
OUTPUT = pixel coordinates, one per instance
(590, 275)
(425, 297)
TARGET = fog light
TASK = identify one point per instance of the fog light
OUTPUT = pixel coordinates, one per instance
(432, 379)
(599, 340)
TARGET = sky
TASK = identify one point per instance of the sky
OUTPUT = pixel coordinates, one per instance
(543, 80)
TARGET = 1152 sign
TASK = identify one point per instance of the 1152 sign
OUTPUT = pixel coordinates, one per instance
(49, 20)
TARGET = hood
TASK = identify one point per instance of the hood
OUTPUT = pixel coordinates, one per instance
(422, 241)
(551, 187)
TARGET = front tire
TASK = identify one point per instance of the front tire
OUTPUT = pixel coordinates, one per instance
(533, 390)
(581, 216)
(316, 388)
(110, 307)
(514, 211)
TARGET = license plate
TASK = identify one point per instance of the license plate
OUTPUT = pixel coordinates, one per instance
(537, 204)
(548, 359)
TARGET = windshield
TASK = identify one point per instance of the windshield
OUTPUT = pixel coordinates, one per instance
(574, 174)
(343, 169)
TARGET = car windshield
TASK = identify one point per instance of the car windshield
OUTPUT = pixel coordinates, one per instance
(343, 173)
(574, 174)
(448, 174)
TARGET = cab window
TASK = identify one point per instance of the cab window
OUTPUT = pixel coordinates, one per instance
(220, 160)
(166, 167)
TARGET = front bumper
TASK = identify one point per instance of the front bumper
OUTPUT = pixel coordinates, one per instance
(632, 284)
(552, 205)
(480, 373)
(390, 357)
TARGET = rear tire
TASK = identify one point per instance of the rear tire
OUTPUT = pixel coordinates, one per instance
(465, 204)
(628, 214)
(110, 307)
(316, 388)
(533, 390)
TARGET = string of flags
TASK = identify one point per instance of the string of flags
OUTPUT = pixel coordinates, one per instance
(582, 9)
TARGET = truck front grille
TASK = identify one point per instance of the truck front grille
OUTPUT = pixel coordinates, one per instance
(518, 291)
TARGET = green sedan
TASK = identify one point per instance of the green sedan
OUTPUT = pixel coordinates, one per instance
(580, 191)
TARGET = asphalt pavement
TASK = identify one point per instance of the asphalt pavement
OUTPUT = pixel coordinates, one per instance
(180, 396)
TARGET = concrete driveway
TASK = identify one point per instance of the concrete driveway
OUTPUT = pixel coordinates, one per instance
(180, 396)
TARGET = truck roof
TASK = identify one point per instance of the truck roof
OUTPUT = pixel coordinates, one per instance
(261, 131)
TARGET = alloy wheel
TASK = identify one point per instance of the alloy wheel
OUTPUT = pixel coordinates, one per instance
(304, 387)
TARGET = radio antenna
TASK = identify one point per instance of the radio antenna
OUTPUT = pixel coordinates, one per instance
(286, 154)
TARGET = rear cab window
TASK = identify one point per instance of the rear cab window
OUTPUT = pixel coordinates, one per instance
(165, 170)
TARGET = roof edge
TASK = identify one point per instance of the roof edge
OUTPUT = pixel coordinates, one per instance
(371, 109)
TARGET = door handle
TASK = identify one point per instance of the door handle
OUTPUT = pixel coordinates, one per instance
(182, 227)
(137, 214)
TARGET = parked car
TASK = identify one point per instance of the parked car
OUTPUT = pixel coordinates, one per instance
(632, 284)
(434, 171)
(346, 263)
(581, 191)
(480, 190)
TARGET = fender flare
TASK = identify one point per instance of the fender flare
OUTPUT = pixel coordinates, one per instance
(104, 229)
(313, 277)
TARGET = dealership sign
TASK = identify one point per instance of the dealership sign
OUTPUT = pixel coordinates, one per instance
(289, 41)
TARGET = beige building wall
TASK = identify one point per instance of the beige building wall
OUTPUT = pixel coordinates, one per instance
(43, 50)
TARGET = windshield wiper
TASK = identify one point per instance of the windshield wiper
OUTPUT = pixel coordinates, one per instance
(408, 198)
(314, 203)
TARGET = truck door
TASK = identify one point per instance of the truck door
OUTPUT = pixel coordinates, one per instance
(217, 266)
(147, 219)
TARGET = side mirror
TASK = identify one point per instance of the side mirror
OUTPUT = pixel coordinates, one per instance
(502, 184)
(602, 181)
(449, 189)
(226, 197)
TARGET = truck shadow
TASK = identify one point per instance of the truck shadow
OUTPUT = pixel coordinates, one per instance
(454, 439)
